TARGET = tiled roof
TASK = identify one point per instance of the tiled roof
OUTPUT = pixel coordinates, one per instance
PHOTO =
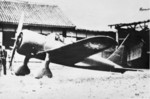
(35, 14)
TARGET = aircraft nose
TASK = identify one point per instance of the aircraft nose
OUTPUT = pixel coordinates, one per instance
(19, 40)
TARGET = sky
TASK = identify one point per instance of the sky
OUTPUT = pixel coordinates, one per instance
(98, 14)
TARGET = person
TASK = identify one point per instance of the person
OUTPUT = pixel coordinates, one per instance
(59, 37)
(3, 56)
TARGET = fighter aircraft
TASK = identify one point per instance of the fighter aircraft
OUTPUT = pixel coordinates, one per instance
(80, 54)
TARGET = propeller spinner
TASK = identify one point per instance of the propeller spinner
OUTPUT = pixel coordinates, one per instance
(18, 38)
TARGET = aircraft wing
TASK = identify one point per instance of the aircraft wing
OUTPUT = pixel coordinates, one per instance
(76, 52)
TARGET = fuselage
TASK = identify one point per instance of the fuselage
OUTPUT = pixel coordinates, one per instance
(32, 43)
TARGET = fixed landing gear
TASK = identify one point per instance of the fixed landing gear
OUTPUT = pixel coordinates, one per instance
(45, 70)
(24, 69)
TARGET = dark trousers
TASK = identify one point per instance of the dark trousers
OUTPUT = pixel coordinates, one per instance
(4, 65)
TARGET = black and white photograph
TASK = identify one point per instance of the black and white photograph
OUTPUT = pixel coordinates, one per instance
(74, 49)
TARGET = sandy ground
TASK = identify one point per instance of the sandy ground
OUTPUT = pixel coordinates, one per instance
(72, 83)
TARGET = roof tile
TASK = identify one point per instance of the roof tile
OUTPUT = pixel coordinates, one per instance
(35, 14)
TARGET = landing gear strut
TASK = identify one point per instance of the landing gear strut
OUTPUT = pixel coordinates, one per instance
(24, 69)
(45, 70)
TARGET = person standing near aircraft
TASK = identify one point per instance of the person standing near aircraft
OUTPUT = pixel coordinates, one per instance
(3, 56)
(4, 59)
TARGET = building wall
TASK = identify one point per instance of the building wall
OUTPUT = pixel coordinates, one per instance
(137, 46)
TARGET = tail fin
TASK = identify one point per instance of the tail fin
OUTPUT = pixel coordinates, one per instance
(120, 56)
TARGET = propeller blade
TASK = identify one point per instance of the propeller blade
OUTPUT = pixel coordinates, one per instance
(19, 29)
(13, 53)
(20, 25)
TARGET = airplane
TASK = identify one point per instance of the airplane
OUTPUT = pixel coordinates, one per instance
(80, 54)
(144, 9)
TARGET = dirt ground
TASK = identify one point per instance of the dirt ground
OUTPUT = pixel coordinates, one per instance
(72, 83)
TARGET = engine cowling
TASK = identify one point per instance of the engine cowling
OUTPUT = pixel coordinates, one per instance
(30, 43)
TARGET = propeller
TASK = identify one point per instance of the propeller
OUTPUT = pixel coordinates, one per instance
(18, 37)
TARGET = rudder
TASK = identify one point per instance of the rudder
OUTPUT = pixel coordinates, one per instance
(120, 55)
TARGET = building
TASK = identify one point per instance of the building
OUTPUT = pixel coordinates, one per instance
(137, 46)
(43, 19)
